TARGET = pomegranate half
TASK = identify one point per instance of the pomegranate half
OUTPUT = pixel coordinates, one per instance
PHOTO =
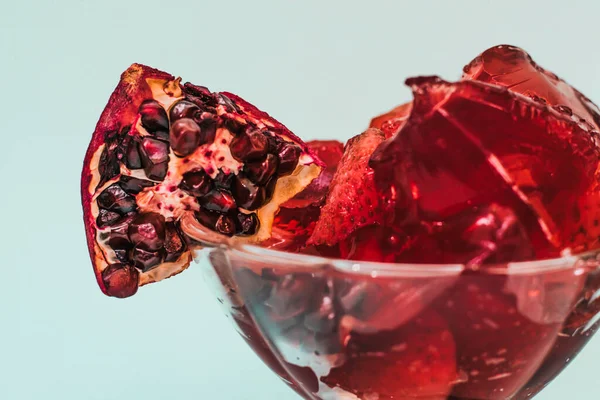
(173, 167)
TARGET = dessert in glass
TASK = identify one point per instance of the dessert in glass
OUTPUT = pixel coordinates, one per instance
(450, 251)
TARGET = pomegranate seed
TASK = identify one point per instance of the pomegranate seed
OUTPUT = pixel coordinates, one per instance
(217, 200)
(106, 218)
(145, 259)
(186, 136)
(207, 218)
(114, 198)
(261, 172)
(225, 225)
(108, 167)
(233, 125)
(197, 183)
(223, 180)
(154, 117)
(248, 224)
(120, 280)
(154, 151)
(157, 172)
(183, 109)
(247, 194)
(147, 231)
(134, 185)
(208, 126)
(288, 154)
(249, 146)
(133, 159)
(174, 242)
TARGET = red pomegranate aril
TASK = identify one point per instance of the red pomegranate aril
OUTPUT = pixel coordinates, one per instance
(122, 254)
(217, 200)
(147, 230)
(289, 154)
(260, 172)
(233, 125)
(118, 232)
(156, 172)
(225, 225)
(183, 109)
(154, 151)
(134, 185)
(250, 146)
(145, 259)
(207, 218)
(120, 280)
(223, 180)
(114, 198)
(106, 218)
(154, 117)
(247, 194)
(174, 243)
(208, 126)
(186, 136)
(133, 159)
(108, 167)
(197, 183)
(155, 158)
(248, 224)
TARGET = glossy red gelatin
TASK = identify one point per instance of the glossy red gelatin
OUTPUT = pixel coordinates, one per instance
(499, 167)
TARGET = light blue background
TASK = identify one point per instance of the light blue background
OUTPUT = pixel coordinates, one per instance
(322, 67)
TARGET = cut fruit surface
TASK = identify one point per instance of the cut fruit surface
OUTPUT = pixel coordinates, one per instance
(172, 167)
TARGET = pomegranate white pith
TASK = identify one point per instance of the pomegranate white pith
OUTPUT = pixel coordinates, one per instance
(168, 199)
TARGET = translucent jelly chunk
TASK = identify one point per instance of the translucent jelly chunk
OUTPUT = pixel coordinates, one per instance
(469, 145)
(392, 121)
(513, 68)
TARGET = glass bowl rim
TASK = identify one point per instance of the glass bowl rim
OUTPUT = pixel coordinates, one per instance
(293, 261)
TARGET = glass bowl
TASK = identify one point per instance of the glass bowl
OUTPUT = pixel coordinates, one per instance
(343, 329)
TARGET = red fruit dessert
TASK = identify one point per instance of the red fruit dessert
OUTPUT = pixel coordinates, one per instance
(509, 154)
(173, 166)
(499, 167)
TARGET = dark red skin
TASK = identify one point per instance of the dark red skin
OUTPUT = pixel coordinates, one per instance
(123, 105)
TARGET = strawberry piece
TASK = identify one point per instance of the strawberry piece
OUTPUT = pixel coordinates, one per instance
(351, 203)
